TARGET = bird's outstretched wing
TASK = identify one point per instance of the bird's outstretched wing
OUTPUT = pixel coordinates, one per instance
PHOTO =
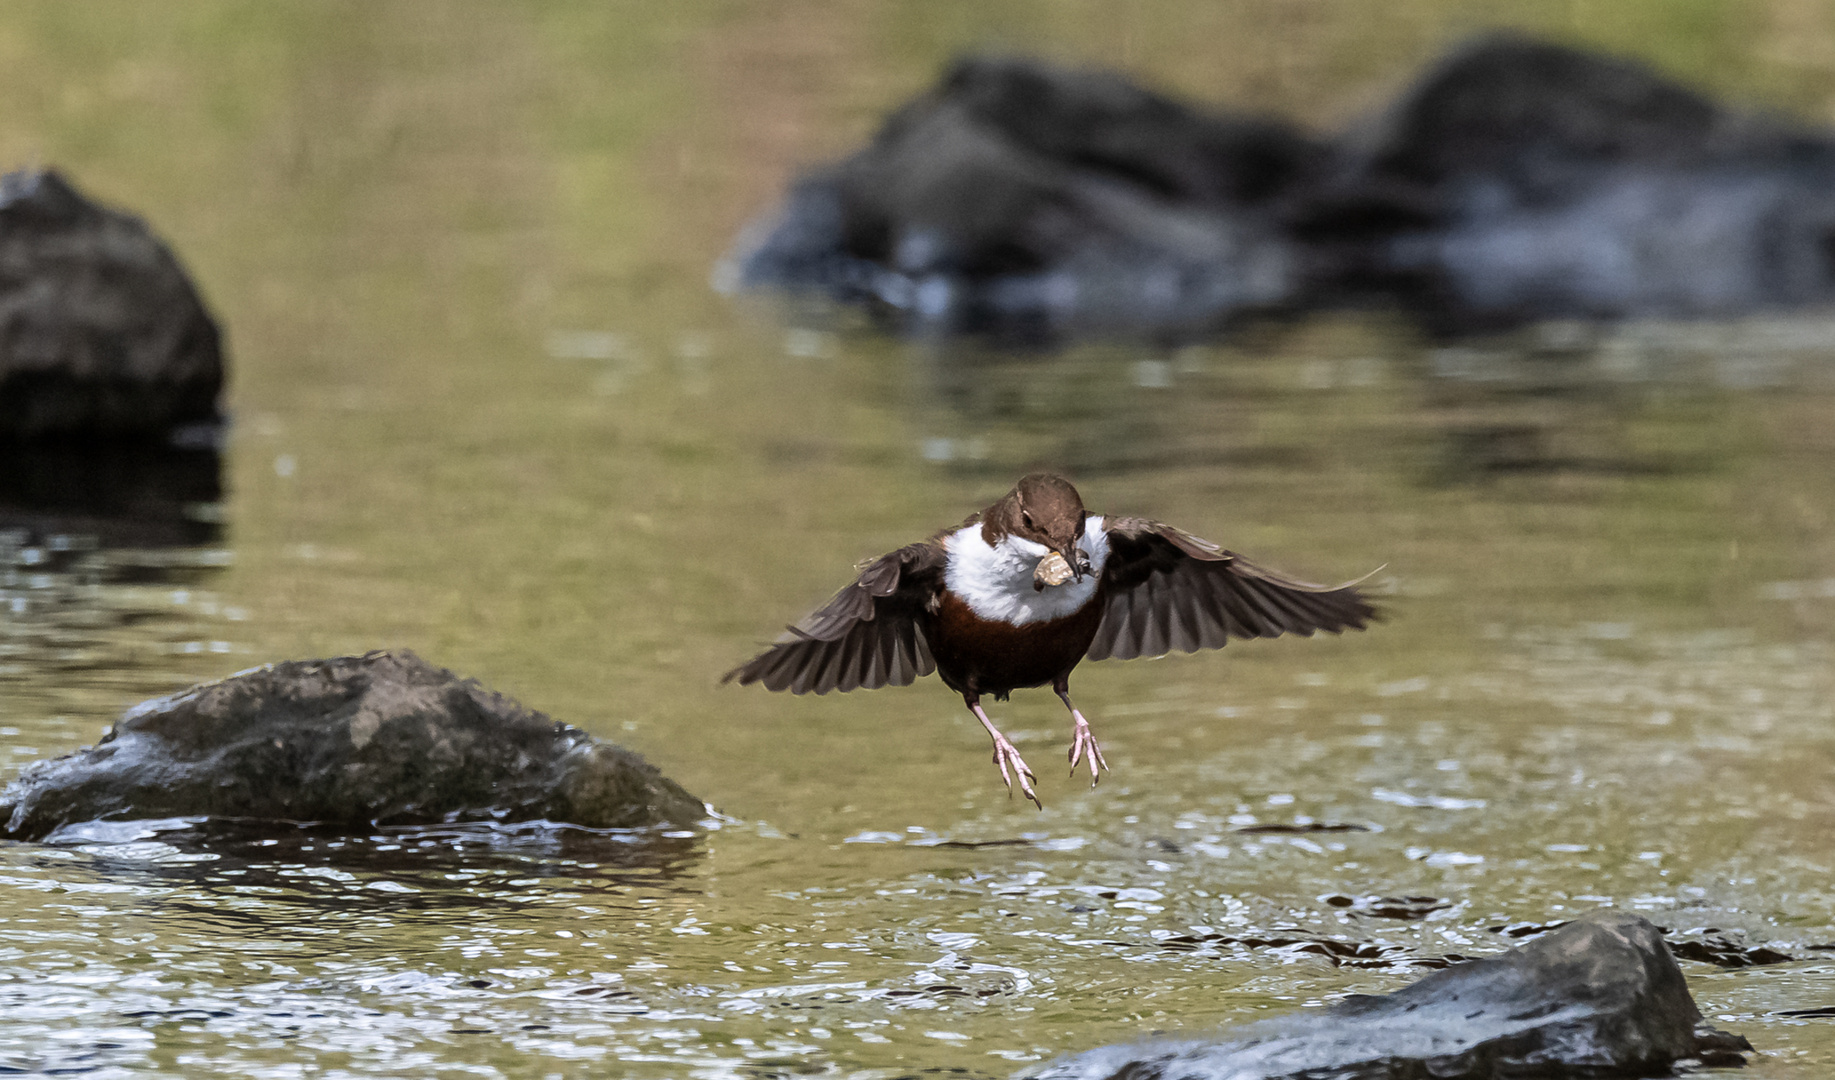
(1167, 589)
(870, 635)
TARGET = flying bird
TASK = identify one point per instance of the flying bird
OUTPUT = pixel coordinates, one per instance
(1020, 593)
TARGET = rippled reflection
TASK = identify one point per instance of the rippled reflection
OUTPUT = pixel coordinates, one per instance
(106, 559)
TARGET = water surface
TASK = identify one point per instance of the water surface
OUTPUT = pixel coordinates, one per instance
(486, 407)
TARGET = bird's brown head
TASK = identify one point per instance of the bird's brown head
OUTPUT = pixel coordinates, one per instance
(1044, 509)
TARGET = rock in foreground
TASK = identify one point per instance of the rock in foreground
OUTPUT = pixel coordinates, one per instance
(101, 333)
(1601, 996)
(384, 738)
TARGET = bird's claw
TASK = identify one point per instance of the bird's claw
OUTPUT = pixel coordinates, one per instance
(1005, 752)
(1082, 739)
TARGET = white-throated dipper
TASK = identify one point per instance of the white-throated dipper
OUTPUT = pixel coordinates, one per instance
(1020, 593)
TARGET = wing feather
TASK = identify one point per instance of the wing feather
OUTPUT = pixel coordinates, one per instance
(922, 662)
(877, 656)
(1214, 621)
(1242, 615)
(1112, 628)
(854, 664)
(898, 672)
(1270, 620)
(1182, 620)
(806, 676)
(1169, 590)
(1153, 611)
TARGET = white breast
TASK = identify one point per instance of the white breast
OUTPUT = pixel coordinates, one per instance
(996, 580)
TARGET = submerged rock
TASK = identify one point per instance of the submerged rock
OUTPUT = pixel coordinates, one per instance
(101, 332)
(1600, 996)
(1515, 180)
(383, 739)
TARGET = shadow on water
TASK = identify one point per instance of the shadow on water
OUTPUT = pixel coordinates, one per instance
(398, 868)
(121, 494)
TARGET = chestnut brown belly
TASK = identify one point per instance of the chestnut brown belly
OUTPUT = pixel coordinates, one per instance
(981, 656)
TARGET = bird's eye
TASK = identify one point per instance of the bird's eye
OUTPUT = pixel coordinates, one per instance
(1027, 518)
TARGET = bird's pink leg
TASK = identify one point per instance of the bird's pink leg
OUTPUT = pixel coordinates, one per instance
(1005, 753)
(1081, 738)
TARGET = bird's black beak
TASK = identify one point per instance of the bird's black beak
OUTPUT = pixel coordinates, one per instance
(1078, 562)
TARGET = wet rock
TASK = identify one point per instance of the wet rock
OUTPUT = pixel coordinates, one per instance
(1301, 827)
(1599, 996)
(1025, 199)
(1405, 908)
(1528, 929)
(1515, 180)
(101, 332)
(379, 739)
(1335, 951)
(1724, 948)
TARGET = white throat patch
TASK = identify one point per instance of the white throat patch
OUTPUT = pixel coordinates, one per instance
(996, 580)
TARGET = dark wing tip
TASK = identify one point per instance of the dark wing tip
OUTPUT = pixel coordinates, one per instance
(1358, 615)
(749, 672)
(1361, 609)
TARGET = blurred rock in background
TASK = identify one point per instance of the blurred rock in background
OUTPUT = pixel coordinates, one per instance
(110, 370)
(101, 332)
(1515, 181)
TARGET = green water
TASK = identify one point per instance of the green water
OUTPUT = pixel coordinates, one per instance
(487, 407)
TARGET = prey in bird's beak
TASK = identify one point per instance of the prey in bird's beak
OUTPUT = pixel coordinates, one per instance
(1060, 566)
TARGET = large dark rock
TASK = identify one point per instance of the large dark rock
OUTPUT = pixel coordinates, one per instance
(384, 738)
(101, 332)
(1515, 180)
(1600, 996)
(1018, 197)
(1543, 181)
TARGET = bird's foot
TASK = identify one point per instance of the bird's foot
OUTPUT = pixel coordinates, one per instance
(1082, 739)
(1004, 754)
